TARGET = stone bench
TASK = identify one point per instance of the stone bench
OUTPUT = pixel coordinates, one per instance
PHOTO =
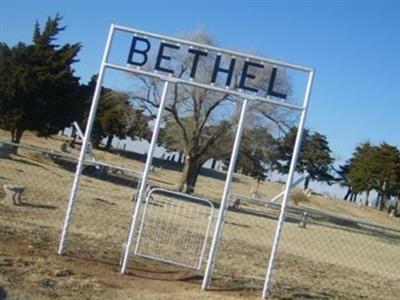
(13, 193)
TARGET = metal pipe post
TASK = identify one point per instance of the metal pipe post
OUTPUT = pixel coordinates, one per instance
(291, 186)
(145, 175)
(224, 200)
(292, 170)
(85, 143)
(78, 129)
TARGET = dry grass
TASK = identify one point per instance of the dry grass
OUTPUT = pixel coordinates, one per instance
(298, 197)
(330, 259)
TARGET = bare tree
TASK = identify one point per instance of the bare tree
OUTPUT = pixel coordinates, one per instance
(199, 122)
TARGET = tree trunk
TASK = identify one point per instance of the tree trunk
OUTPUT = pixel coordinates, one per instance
(16, 135)
(73, 137)
(192, 179)
(180, 157)
(109, 141)
(381, 203)
(377, 201)
(367, 199)
(190, 173)
(214, 162)
(96, 139)
(348, 193)
(306, 182)
(353, 197)
(258, 186)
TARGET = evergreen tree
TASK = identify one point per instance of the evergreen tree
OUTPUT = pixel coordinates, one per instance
(375, 168)
(344, 180)
(314, 159)
(363, 169)
(38, 90)
(116, 118)
(387, 163)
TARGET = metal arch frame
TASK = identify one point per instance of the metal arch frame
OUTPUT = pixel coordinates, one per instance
(212, 48)
(142, 189)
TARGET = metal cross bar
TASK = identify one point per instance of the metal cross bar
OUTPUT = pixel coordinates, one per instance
(268, 99)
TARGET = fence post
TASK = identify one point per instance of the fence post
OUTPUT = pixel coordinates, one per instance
(286, 196)
(224, 200)
(85, 143)
(145, 176)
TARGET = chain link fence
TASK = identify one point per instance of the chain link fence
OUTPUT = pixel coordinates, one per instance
(323, 255)
(104, 201)
(35, 178)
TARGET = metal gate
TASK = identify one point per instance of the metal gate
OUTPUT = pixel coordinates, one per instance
(174, 228)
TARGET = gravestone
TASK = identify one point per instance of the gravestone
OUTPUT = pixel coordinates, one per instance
(64, 147)
(5, 150)
(392, 207)
(303, 220)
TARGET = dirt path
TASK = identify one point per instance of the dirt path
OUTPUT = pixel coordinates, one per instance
(30, 269)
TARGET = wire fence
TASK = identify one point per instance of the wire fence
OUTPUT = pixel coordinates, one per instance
(322, 255)
(174, 228)
(104, 201)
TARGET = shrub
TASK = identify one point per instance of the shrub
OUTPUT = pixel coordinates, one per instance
(299, 196)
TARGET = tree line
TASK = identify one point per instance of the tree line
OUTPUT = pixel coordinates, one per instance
(40, 92)
(372, 168)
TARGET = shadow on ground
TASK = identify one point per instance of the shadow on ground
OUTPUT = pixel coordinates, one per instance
(3, 293)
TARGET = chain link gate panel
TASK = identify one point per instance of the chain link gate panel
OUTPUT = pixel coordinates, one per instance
(174, 228)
